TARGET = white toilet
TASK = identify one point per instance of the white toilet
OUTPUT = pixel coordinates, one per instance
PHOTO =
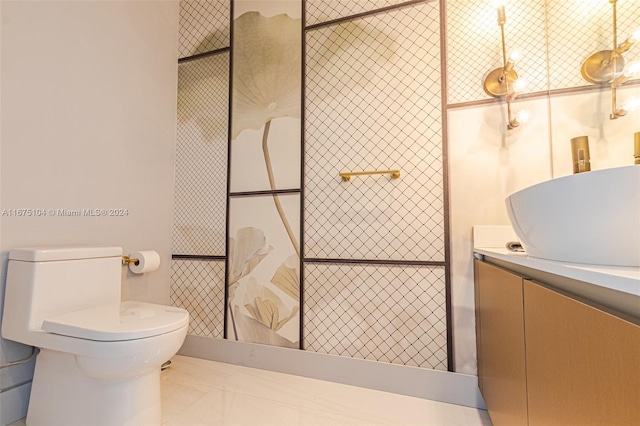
(100, 358)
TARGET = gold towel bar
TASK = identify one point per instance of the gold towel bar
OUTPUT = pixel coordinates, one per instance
(346, 176)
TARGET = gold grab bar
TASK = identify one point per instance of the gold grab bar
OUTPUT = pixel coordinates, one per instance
(346, 176)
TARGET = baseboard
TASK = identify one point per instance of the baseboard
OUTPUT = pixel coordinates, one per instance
(452, 388)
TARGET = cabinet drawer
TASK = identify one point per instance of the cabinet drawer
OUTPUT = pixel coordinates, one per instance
(583, 364)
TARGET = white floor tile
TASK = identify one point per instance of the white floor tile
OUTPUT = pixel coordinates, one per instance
(247, 396)
(197, 392)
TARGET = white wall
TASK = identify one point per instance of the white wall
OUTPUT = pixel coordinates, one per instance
(88, 96)
(487, 162)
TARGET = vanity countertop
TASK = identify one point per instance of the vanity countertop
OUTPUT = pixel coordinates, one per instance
(622, 279)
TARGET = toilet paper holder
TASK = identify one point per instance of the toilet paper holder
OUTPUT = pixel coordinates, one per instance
(126, 261)
(140, 262)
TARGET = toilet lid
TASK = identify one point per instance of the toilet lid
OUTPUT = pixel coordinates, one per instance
(118, 321)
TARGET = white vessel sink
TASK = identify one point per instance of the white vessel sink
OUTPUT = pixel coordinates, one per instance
(591, 217)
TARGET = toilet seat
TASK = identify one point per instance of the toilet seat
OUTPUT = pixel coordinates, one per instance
(118, 321)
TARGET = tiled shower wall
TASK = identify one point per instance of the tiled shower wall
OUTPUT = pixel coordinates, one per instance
(204, 26)
(200, 193)
(373, 102)
(367, 108)
(363, 219)
(198, 286)
(388, 313)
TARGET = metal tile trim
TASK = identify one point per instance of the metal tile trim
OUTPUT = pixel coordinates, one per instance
(540, 95)
(375, 262)
(364, 14)
(204, 55)
(268, 192)
(303, 83)
(445, 184)
(197, 257)
(230, 107)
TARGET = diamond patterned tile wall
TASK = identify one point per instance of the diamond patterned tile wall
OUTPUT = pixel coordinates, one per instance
(200, 194)
(577, 30)
(391, 314)
(474, 45)
(319, 11)
(568, 32)
(204, 26)
(198, 287)
(373, 103)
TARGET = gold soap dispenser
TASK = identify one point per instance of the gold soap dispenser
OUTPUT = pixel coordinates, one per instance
(636, 147)
(580, 154)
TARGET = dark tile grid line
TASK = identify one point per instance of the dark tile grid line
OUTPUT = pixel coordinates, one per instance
(474, 45)
(201, 157)
(198, 287)
(204, 26)
(575, 32)
(373, 102)
(392, 314)
(319, 11)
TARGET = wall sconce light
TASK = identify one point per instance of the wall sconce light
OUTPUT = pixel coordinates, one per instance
(504, 81)
(608, 67)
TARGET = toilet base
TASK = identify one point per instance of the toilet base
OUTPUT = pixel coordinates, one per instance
(61, 394)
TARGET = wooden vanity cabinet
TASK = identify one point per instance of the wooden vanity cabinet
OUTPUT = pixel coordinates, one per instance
(500, 344)
(575, 362)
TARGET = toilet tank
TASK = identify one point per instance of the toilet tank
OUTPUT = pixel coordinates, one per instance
(44, 282)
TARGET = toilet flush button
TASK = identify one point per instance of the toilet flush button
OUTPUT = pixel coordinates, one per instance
(141, 313)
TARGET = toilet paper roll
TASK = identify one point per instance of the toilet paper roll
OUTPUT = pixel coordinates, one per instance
(147, 261)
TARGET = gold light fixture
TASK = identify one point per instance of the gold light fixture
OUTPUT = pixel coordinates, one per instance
(504, 81)
(608, 66)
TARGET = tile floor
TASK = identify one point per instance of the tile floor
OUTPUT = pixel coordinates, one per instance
(197, 392)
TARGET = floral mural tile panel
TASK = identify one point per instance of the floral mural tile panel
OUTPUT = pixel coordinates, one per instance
(249, 168)
(264, 270)
(267, 92)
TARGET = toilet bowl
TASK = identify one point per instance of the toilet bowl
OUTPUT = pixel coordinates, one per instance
(100, 358)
